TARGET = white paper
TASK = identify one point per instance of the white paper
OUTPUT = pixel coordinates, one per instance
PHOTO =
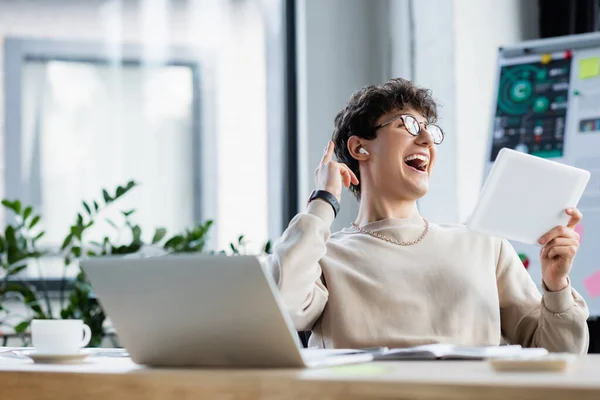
(440, 351)
(589, 102)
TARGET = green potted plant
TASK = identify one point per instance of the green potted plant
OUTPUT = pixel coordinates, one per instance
(18, 248)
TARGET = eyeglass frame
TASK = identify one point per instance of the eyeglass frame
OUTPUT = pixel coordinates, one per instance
(421, 126)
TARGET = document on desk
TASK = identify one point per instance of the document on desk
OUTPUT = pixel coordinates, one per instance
(453, 352)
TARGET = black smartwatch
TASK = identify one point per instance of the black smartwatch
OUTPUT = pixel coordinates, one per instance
(328, 197)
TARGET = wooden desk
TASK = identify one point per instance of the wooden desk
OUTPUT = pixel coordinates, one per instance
(119, 378)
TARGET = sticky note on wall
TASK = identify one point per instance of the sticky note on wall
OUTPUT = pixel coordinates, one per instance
(589, 67)
(592, 284)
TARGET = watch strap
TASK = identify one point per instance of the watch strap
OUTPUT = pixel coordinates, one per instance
(328, 197)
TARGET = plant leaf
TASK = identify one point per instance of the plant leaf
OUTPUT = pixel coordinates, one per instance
(105, 246)
(8, 204)
(17, 204)
(21, 327)
(241, 239)
(76, 251)
(106, 196)
(67, 241)
(34, 221)
(39, 235)
(76, 231)
(127, 213)
(27, 212)
(267, 249)
(120, 192)
(132, 248)
(174, 243)
(196, 245)
(111, 223)
(130, 185)
(91, 253)
(87, 208)
(29, 297)
(136, 231)
(159, 234)
(67, 313)
(96, 207)
(9, 233)
(16, 269)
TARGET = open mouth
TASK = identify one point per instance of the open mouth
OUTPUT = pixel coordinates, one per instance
(417, 161)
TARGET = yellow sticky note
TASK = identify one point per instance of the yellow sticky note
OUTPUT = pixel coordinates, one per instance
(589, 67)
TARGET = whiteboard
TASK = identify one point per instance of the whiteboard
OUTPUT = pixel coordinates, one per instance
(547, 103)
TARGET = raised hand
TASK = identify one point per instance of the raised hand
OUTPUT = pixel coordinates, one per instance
(331, 175)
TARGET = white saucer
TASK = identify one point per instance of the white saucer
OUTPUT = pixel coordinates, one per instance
(42, 358)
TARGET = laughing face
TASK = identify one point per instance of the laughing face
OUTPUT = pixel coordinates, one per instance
(402, 163)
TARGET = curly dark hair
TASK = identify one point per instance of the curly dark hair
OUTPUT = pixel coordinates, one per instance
(369, 103)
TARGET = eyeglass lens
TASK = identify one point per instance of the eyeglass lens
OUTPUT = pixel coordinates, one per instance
(412, 125)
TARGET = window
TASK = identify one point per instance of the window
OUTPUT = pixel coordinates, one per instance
(191, 110)
(88, 126)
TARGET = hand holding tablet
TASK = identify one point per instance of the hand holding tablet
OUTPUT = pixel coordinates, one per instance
(525, 197)
(533, 200)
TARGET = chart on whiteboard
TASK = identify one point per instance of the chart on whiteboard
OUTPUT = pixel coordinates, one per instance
(531, 108)
(548, 105)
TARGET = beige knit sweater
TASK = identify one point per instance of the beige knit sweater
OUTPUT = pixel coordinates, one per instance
(455, 286)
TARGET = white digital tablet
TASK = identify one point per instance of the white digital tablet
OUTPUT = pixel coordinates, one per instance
(525, 196)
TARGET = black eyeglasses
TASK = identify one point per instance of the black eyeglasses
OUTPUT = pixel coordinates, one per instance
(414, 127)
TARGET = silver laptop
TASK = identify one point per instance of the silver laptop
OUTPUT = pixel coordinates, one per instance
(202, 311)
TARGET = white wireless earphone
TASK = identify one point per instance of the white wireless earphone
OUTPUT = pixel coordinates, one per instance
(363, 151)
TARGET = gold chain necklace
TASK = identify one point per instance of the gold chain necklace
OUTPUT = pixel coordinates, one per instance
(392, 240)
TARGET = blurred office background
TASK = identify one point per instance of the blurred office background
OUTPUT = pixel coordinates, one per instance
(220, 109)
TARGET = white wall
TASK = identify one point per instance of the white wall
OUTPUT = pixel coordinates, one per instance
(453, 51)
(434, 68)
(342, 46)
(481, 27)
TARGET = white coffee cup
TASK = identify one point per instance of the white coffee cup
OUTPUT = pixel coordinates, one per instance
(59, 336)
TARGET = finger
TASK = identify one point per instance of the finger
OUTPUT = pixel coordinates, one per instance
(562, 251)
(346, 178)
(559, 231)
(576, 217)
(354, 179)
(328, 156)
(559, 241)
(562, 241)
(544, 252)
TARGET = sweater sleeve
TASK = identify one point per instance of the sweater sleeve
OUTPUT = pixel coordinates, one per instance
(556, 321)
(295, 264)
